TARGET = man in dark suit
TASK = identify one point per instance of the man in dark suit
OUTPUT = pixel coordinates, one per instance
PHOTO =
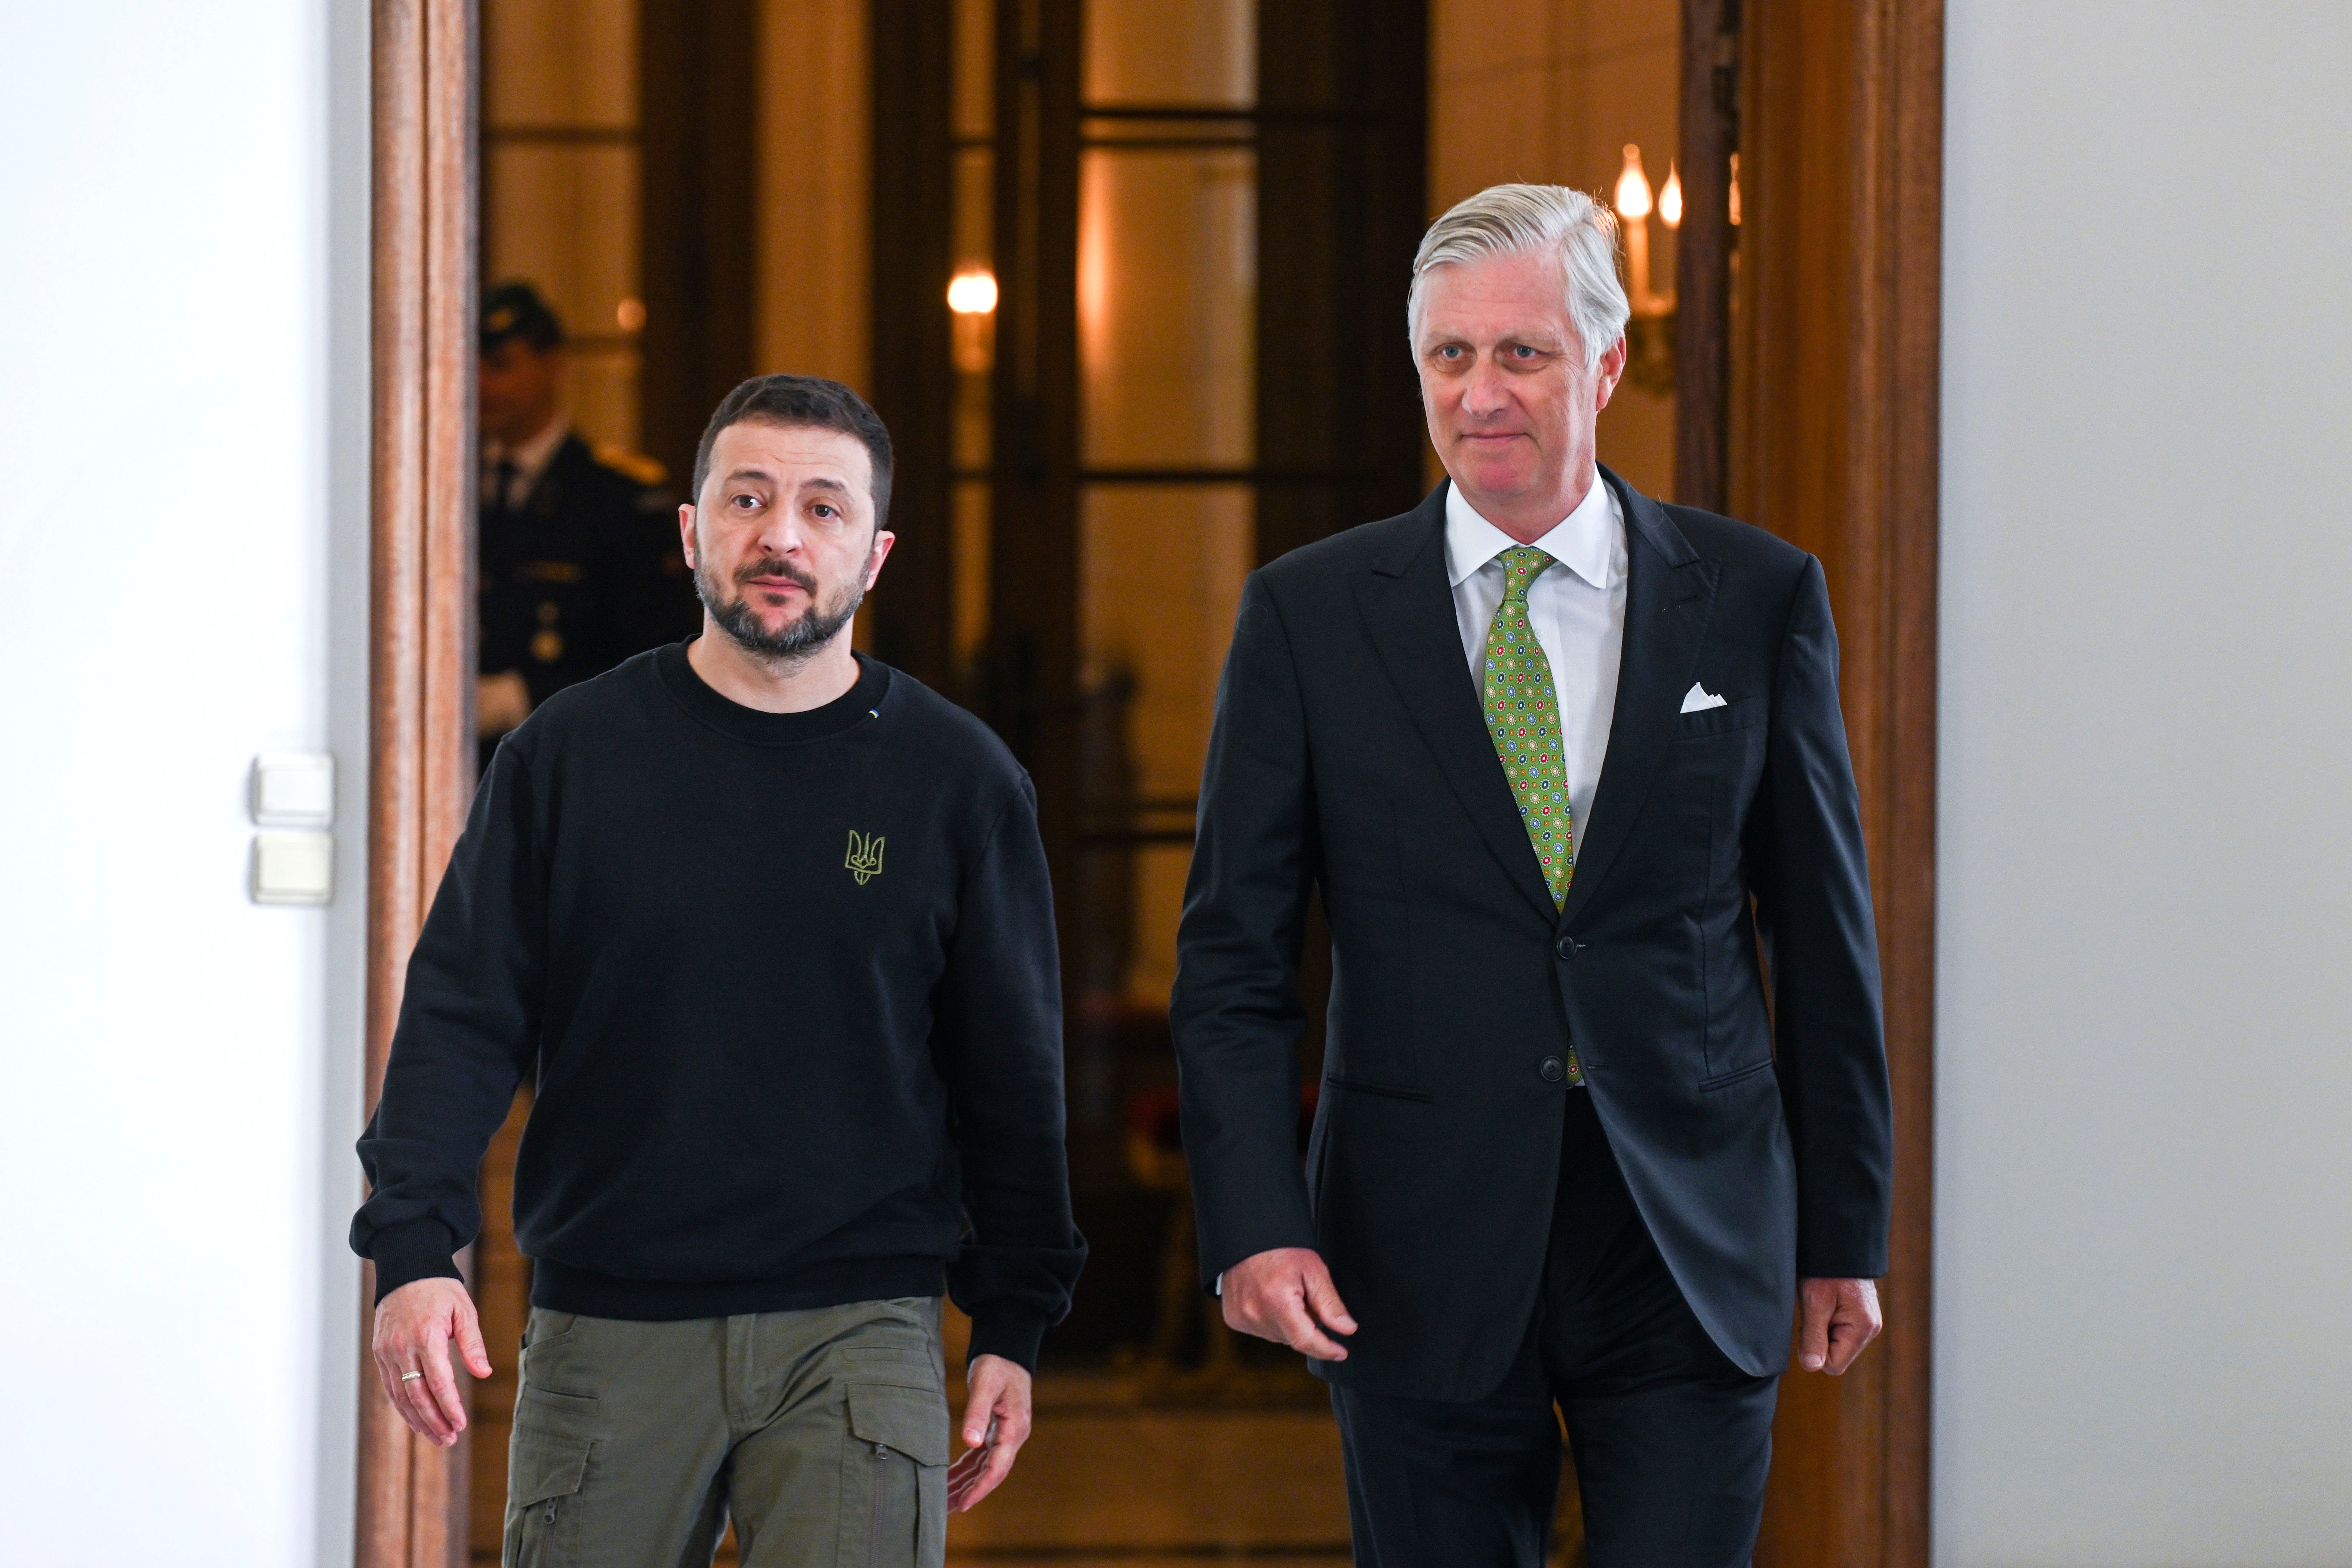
(1567, 768)
(580, 563)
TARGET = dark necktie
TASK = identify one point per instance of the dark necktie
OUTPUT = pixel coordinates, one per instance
(502, 490)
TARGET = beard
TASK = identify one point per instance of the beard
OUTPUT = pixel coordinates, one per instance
(797, 639)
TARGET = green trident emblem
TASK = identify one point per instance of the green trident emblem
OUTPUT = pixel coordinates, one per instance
(864, 860)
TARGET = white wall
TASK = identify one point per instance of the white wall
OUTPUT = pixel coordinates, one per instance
(182, 492)
(2144, 1347)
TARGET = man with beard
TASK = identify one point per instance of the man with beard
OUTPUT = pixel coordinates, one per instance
(769, 922)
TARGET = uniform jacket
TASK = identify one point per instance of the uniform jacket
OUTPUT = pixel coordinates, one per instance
(584, 572)
(1349, 757)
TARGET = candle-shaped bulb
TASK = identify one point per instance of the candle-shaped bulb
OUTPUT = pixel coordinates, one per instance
(1735, 190)
(1670, 200)
(1633, 187)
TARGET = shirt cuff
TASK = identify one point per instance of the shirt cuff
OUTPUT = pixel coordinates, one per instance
(405, 1254)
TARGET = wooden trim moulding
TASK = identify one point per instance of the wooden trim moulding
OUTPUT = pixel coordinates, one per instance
(1709, 134)
(1834, 446)
(412, 1495)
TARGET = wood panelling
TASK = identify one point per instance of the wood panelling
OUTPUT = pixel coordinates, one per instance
(411, 1494)
(1833, 446)
(812, 201)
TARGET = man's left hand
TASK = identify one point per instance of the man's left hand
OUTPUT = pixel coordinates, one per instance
(996, 1425)
(1839, 1316)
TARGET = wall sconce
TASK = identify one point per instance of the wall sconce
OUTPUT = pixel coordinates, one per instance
(972, 297)
(1650, 331)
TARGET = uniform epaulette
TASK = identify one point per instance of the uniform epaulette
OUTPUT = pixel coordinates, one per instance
(635, 465)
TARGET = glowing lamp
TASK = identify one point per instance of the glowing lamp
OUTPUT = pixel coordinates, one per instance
(1633, 208)
(1633, 187)
(1650, 323)
(972, 297)
(972, 294)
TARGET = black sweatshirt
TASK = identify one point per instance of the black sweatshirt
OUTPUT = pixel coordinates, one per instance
(788, 984)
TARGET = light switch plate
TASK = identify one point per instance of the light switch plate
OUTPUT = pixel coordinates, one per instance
(293, 867)
(294, 789)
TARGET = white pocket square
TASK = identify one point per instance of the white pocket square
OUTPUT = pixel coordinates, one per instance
(1698, 698)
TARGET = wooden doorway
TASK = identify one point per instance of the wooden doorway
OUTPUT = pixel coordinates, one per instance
(1833, 327)
(1827, 424)
(1809, 281)
(412, 1495)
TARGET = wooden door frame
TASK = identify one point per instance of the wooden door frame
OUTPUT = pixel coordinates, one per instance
(412, 1495)
(1832, 443)
(1834, 425)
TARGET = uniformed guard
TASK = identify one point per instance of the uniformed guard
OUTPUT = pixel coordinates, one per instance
(580, 564)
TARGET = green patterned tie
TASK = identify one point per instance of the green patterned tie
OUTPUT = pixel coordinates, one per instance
(1522, 711)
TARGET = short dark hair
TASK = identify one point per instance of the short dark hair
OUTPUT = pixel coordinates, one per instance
(808, 402)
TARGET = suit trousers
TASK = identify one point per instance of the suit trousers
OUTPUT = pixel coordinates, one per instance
(822, 1434)
(1671, 1440)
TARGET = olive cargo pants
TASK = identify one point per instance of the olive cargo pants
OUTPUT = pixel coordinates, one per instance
(822, 1433)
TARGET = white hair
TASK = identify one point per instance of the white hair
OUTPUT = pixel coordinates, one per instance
(1507, 220)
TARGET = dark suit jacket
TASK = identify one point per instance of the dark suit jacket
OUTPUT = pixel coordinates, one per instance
(1349, 755)
(584, 572)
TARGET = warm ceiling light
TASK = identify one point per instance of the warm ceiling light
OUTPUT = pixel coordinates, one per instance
(1670, 200)
(1633, 187)
(972, 294)
(629, 315)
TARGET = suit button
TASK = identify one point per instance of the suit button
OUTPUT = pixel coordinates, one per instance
(1553, 1069)
(1565, 946)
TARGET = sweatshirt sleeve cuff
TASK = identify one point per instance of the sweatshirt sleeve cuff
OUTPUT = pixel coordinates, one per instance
(403, 1254)
(1008, 1332)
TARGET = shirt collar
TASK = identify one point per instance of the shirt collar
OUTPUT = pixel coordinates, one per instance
(531, 457)
(1587, 540)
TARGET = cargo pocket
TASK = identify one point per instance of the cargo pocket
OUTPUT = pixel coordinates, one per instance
(895, 1481)
(544, 1472)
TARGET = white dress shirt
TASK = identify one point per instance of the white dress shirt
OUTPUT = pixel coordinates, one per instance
(1577, 609)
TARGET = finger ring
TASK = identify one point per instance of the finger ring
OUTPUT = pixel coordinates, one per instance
(407, 1375)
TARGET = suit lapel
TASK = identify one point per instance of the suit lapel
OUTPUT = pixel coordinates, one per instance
(1408, 609)
(1669, 595)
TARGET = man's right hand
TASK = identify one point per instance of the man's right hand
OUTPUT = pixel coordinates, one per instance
(1286, 1296)
(414, 1326)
